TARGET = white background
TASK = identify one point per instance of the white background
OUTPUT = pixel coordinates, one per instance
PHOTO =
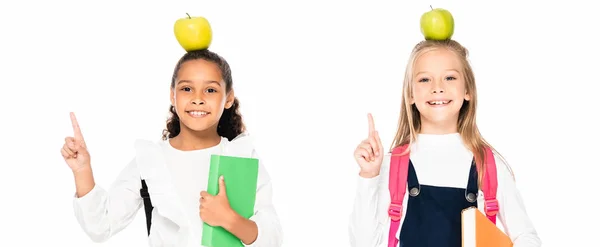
(306, 73)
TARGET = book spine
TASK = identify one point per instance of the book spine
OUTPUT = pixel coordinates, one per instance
(213, 175)
(212, 188)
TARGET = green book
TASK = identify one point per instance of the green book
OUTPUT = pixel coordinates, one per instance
(241, 175)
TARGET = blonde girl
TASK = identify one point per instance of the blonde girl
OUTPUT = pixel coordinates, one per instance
(438, 125)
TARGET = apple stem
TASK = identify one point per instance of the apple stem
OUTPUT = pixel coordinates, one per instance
(431, 7)
(188, 15)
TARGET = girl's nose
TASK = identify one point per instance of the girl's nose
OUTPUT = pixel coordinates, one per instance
(198, 102)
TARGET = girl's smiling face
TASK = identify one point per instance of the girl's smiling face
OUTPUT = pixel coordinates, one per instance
(199, 95)
(439, 88)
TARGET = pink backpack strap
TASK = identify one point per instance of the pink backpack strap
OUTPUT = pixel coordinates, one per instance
(397, 187)
(490, 185)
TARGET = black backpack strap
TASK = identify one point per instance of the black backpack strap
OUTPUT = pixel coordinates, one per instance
(147, 205)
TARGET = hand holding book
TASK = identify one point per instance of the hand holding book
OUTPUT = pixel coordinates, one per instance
(215, 210)
(227, 208)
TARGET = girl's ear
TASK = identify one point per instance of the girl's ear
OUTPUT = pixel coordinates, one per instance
(172, 97)
(229, 100)
(411, 98)
(467, 96)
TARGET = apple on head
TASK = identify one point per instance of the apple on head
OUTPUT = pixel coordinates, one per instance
(193, 33)
(437, 24)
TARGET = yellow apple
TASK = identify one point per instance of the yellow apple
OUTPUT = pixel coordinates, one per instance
(437, 24)
(193, 33)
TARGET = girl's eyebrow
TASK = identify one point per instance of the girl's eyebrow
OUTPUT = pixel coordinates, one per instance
(184, 81)
(421, 72)
(206, 82)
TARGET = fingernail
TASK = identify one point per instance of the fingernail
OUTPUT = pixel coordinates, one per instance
(221, 178)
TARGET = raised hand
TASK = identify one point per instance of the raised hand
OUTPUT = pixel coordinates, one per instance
(369, 153)
(74, 151)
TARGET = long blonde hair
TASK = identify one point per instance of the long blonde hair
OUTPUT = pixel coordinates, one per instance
(409, 123)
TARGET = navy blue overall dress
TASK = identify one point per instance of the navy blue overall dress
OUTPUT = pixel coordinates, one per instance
(433, 214)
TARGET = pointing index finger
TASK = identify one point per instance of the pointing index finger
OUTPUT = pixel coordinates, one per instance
(371, 124)
(76, 130)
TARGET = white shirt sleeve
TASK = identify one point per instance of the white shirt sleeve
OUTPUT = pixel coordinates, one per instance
(369, 220)
(270, 232)
(102, 214)
(512, 211)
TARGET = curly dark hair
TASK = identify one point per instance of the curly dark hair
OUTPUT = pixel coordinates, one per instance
(231, 124)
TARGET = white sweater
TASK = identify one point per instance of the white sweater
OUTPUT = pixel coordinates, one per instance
(440, 160)
(175, 179)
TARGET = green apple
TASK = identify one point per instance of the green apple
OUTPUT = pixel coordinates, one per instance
(193, 33)
(437, 24)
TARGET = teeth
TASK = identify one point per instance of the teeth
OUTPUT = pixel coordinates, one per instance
(438, 102)
(198, 113)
